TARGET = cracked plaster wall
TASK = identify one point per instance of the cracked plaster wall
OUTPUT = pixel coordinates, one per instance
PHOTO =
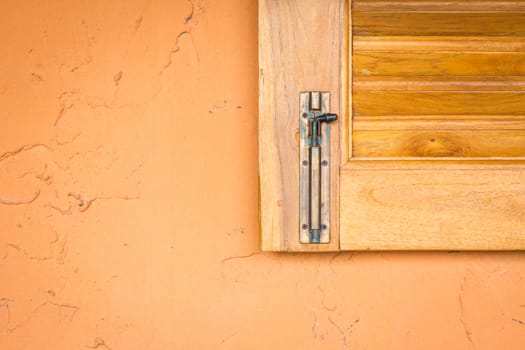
(128, 202)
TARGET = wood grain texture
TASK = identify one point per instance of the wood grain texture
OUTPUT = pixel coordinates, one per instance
(448, 6)
(436, 64)
(437, 122)
(453, 122)
(438, 84)
(420, 43)
(439, 103)
(454, 89)
(298, 40)
(438, 127)
(439, 143)
(436, 208)
(445, 24)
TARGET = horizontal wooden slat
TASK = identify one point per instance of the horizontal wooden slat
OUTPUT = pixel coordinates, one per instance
(438, 103)
(439, 143)
(457, 24)
(437, 6)
(384, 123)
(436, 84)
(432, 64)
(435, 164)
(447, 209)
(439, 43)
(448, 117)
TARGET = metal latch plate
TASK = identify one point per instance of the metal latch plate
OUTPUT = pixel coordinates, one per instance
(314, 166)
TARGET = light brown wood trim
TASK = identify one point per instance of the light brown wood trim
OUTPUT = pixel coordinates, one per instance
(301, 46)
(439, 23)
(438, 6)
(438, 43)
(438, 84)
(433, 205)
(441, 164)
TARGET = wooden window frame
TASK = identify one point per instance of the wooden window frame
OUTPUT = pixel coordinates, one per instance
(307, 37)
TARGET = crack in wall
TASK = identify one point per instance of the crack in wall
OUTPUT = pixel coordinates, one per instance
(25, 254)
(336, 256)
(175, 50)
(99, 343)
(189, 17)
(315, 325)
(13, 201)
(323, 305)
(229, 337)
(66, 103)
(41, 176)
(229, 258)
(343, 332)
(22, 149)
(187, 22)
(466, 329)
(30, 316)
(84, 202)
(66, 211)
(4, 303)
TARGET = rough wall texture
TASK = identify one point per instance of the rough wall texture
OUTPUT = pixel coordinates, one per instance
(128, 202)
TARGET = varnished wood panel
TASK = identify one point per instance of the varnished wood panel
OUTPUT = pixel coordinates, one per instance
(448, 6)
(292, 36)
(435, 64)
(439, 143)
(445, 24)
(439, 103)
(441, 122)
(454, 67)
(438, 84)
(441, 206)
(420, 43)
(438, 126)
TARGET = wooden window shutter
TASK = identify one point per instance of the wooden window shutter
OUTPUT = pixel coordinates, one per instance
(428, 152)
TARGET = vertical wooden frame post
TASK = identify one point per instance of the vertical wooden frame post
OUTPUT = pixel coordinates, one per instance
(301, 46)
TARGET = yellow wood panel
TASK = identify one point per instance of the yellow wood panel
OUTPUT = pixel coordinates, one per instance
(436, 103)
(433, 209)
(438, 6)
(430, 64)
(439, 143)
(456, 24)
(436, 84)
(288, 65)
(438, 78)
(439, 43)
(453, 122)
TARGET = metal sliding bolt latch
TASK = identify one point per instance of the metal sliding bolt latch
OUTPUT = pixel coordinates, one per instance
(315, 167)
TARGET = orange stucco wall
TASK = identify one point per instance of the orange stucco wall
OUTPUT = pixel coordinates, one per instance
(128, 202)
